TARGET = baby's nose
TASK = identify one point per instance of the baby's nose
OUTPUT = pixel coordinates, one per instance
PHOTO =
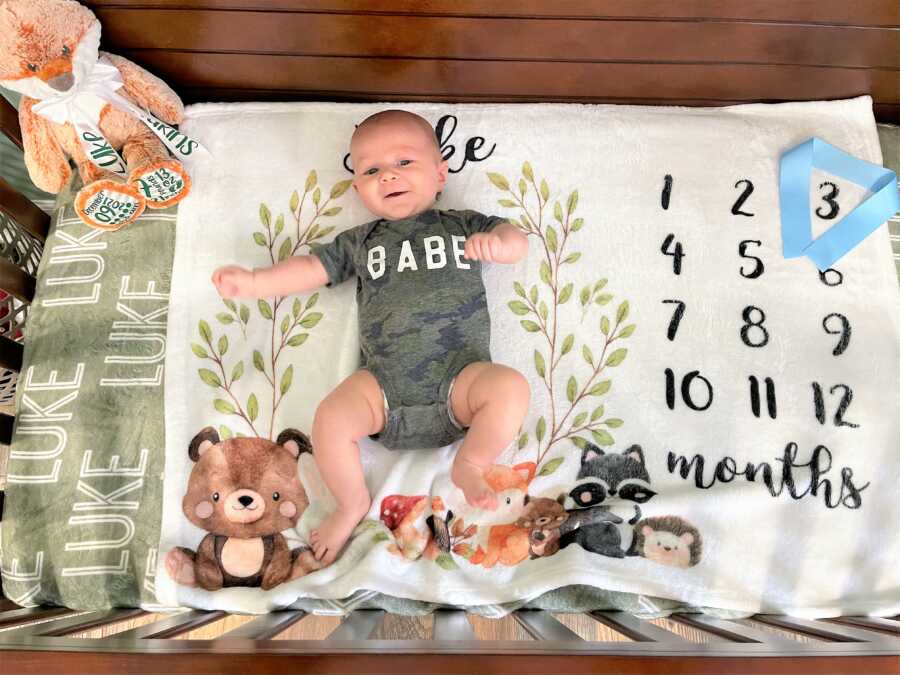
(388, 176)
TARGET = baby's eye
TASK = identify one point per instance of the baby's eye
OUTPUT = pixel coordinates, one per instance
(404, 162)
(370, 172)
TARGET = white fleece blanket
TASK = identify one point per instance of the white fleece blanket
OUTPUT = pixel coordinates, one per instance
(728, 415)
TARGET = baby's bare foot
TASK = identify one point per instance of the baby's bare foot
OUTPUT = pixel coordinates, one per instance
(469, 478)
(329, 538)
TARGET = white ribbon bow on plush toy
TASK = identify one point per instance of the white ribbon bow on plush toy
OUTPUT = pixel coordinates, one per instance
(96, 82)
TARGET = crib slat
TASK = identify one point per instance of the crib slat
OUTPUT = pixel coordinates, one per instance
(6, 428)
(544, 626)
(871, 623)
(176, 625)
(452, 624)
(730, 630)
(16, 281)
(358, 626)
(17, 617)
(83, 622)
(10, 354)
(21, 209)
(265, 627)
(820, 629)
(634, 628)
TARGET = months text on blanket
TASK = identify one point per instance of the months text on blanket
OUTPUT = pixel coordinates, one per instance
(847, 494)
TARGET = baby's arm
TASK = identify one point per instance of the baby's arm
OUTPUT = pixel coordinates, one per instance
(506, 243)
(294, 275)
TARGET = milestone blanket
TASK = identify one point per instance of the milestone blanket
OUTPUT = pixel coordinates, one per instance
(710, 422)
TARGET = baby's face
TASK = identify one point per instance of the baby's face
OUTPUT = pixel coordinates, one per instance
(397, 169)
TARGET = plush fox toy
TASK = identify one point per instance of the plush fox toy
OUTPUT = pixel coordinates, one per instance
(110, 116)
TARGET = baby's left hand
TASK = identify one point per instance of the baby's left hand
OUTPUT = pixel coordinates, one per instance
(486, 246)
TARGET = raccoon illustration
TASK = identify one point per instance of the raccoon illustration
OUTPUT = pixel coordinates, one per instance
(602, 476)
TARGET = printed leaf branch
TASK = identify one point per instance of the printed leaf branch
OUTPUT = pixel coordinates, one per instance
(540, 315)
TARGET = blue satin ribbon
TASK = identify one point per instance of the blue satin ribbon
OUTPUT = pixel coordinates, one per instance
(796, 229)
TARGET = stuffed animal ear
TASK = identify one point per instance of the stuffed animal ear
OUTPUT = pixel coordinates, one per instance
(687, 538)
(295, 442)
(590, 452)
(202, 442)
(561, 500)
(526, 500)
(646, 530)
(635, 453)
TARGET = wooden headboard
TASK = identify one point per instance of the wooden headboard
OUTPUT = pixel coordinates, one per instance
(683, 52)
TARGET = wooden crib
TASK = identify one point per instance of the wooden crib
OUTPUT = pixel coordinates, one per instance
(688, 52)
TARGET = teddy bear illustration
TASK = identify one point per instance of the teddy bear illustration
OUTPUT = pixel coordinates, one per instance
(542, 518)
(243, 492)
(89, 106)
(667, 540)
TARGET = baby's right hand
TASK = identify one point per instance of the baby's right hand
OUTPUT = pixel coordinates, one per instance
(233, 281)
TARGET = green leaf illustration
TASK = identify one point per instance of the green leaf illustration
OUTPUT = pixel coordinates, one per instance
(297, 308)
(600, 284)
(597, 414)
(209, 377)
(295, 200)
(571, 388)
(340, 188)
(199, 351)
(313, 299)
(539, 364)
(577, 225)
(551, 466)
(252, 407)
(380, 537)
(297, 340)
(601, 437)
(224, 318)
(223, 345)
(498, 180)
(622, 312)
(245, 314)
(551, 239)
(285, 249)
(533, 295)
(567, 344)
(580, 442)
(444, 561)
(224, 432)
(614, 423)
(230, 304)
(258, 361)
(627, 331)
(566, 293)
(579, 419)
(603, 299)
(317, 196)
(616, 357)
(530, 326)
(333, 211)
(279, 224)
(264, 309)
(237, 371)
(311, 320)
(557, 212)
(223, 406)
(588, 355)
(600, 388)
(572, 203)
(585, 296)
(265, 216)
(286, 379)
(522, 187)
(527, 172)
(542, 310)
(205, 331)
(545, 272)
(604, 325)
(540, 429)
(260, 239)
(311, 181)
(285, 324)
(508, 203)
(545, 191)
(520, 290)
(523, 440)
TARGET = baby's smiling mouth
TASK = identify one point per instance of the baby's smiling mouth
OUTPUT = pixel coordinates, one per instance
(395, 194)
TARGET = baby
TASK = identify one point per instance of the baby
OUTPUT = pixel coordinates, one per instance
(426, 378)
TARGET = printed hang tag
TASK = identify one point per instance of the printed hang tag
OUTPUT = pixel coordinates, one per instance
(796, 227)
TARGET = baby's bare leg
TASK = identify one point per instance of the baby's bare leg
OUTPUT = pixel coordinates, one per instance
(353, 410)
(492, 400)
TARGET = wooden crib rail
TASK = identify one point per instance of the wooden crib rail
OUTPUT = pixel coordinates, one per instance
(40, 640)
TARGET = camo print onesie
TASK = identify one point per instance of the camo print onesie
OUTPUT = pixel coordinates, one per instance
(422, 315)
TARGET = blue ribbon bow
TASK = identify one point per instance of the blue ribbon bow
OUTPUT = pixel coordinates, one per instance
(796, 229)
